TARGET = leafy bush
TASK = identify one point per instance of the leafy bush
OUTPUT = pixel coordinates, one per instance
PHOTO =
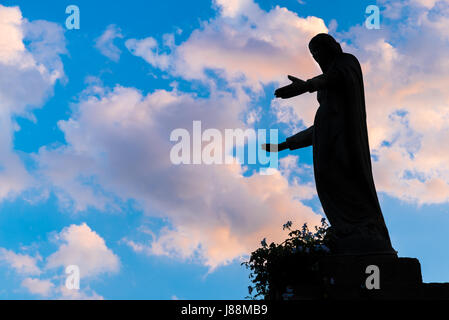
(293, 263)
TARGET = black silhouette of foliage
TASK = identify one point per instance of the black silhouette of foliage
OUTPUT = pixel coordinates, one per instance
(274, 267)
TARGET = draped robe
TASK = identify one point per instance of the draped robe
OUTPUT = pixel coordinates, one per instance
(342, 160)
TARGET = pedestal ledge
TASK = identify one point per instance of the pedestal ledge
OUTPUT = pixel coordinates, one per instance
(365, 277)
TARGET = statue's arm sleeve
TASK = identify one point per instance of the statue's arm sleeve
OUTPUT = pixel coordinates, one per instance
(301, 140)
(332, 78)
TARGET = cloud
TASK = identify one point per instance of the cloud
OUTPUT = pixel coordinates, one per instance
(118, 139)
(105, 43)
(121, 140)
(77, 245)
(81, 246)
(406, 94)
(426, 3)
(408, 101)
(148, 49)
(27, 76)
(28, 73)
(21, 263)
(39, 287)
(85, 294)
(243, 44)
(11, 34)
(234, 222)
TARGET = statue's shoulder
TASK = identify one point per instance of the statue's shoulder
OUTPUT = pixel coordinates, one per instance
(348, 58)
(347, 61)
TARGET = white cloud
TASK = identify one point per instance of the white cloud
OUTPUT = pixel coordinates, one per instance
(27, 76)
(121, 139)
(81, 246)
(244, 44)
(39, 287)
(427, 3)
(28, 73)
(21, 263)
(11, 34)
(105, 43)
(407, 99)
(148, 50)
(118, 140)
(408, 102)
(235, 8)
(85, 294)
(78, 245)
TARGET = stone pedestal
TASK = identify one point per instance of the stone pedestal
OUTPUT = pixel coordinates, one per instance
(345, 277)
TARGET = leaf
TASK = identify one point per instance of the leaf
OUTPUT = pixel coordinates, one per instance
(270, 265)
(288, 225)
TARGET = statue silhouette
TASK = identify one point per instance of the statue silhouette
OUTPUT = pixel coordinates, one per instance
(341, 153)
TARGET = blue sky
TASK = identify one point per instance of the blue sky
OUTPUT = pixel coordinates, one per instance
(86, 171)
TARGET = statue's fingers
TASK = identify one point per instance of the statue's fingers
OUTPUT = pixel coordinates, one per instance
(293, 79)
(279, 92)
(288, 93)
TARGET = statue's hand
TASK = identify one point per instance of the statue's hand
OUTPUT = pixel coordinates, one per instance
(270, 147)
(296, 88)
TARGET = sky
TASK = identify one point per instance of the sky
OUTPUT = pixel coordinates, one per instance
(86, 117)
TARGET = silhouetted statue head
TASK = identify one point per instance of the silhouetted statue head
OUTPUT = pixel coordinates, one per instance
(324, 49)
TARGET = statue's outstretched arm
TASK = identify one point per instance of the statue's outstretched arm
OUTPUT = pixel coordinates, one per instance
(302, 139)
(296, 88)
(323, 81)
